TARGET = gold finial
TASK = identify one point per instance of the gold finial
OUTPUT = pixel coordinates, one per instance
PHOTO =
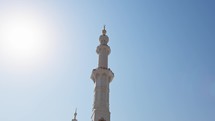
(104, 31)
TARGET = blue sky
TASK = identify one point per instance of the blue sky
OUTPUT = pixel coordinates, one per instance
(162, 54)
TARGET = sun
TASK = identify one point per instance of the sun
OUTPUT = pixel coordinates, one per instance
(23, 39)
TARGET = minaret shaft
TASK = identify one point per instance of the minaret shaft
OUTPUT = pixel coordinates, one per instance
(103, 60)
(102, 76)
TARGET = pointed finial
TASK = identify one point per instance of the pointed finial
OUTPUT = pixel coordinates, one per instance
(75, 114)
(104, 31)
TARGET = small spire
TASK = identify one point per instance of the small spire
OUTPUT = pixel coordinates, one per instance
(75, 114)
(104, 31)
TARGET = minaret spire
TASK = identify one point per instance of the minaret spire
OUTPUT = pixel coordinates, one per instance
(104, 31)
(75, 114)
(102, 76)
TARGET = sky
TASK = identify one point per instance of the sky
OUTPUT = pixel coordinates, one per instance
(162, 55)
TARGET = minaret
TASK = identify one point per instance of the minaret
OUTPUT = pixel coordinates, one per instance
(75, 114)
(102, 76)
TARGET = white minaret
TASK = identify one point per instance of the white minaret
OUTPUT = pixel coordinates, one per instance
(102, 76)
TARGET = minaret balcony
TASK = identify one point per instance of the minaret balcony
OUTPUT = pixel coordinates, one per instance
(96, 73)
(103, 49)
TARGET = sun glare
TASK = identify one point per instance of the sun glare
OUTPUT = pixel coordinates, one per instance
(23, 39)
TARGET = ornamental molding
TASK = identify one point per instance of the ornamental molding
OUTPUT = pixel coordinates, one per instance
(103, 48)
(99, 72)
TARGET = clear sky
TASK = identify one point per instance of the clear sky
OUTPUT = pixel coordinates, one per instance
(163, 57)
